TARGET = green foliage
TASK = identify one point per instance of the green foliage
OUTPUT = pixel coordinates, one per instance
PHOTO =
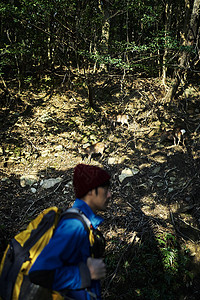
(152, 270)
(38, 35)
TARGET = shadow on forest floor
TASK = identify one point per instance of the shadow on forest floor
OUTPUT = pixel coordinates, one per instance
(152, 223)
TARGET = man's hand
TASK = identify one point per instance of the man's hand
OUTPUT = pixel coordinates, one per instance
(97, 268)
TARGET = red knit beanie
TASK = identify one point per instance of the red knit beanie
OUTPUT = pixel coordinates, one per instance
(88, 177)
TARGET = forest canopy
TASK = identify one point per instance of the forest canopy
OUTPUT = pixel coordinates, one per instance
(147, 38)
(71, 72)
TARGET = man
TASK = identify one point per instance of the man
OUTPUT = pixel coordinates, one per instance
(67, 264)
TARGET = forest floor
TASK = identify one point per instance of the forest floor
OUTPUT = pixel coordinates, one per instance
(152, 224)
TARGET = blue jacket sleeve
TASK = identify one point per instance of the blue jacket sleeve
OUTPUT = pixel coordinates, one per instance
(65, 257)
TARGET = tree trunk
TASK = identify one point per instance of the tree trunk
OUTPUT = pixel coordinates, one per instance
(168, 12)
(188, 40)
(105, 30)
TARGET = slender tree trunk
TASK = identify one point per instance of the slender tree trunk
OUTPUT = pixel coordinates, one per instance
(105, 30)
(168, 11)
(190, 40)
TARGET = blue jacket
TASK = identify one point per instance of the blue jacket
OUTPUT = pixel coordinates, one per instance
(64, 258)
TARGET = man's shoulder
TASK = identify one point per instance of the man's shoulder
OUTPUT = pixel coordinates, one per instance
(71, 223)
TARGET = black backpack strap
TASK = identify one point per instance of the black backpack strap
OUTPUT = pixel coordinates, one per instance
(6, 286)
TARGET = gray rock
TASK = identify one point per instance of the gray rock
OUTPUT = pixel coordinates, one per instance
(124, 174)
(33, 190)
(49, 183)
(28, 180)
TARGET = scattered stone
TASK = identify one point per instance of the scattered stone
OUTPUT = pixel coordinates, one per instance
(59, 148)
(45, 153)
(124, 174)
(135, 171)
(6, 179)
(156, 170)
(49, 183)
(159, 184)
(111, 160)
(33, 190)
(28, 180)
(69, 184)
(170, 190)
(150, 182)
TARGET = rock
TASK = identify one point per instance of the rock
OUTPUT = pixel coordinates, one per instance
(69, 184)
(124, 174)
(150, 182)
(49, 183)
(170, 190)
(33, 190)
(59, 148)
(159, 184)
(111, 160)
(135, 171)
(6, 179)
(28, 180)
(156, 170)
(45, 153)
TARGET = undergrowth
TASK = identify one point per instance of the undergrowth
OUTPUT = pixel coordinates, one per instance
(151, 269)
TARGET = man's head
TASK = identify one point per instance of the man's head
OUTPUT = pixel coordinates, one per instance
(91, 184)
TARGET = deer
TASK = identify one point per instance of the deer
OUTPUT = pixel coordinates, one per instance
(121, 119)
(97, 148)
(176, 134)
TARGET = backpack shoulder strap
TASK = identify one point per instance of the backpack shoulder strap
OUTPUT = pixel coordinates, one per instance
(77, 214)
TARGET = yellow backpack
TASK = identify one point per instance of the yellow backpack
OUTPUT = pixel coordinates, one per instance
(23, 250)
